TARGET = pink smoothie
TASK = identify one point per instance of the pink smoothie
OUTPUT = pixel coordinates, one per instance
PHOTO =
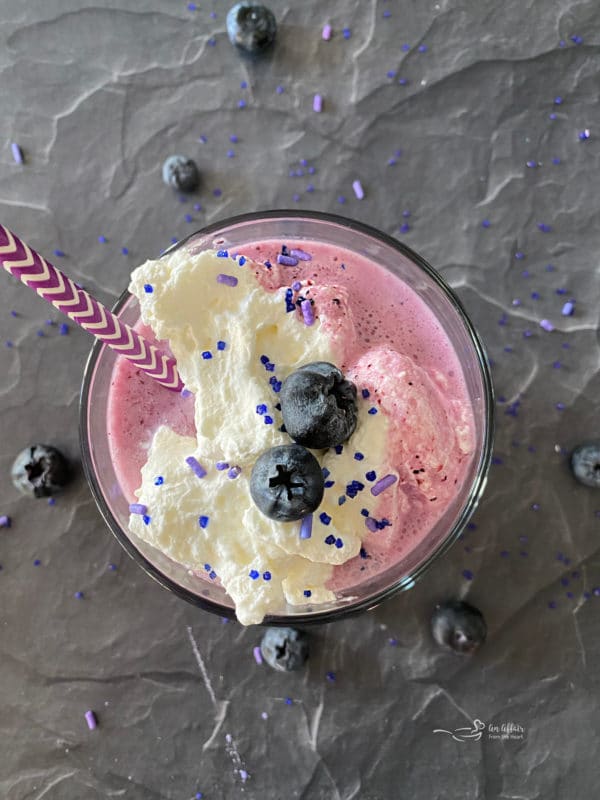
(395, 333)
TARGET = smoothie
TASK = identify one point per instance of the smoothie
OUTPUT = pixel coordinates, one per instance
(235, 342)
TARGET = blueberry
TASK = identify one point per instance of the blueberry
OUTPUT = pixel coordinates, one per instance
(585, 464)
(40, 471)
(319, 405)
(181, 173)
(458, 626)
(287, 483)
(251, 28)
(284, 649)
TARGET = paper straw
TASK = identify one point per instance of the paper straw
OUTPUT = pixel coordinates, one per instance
(50, 283)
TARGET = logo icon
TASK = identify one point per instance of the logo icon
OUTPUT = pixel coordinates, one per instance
(473, 734)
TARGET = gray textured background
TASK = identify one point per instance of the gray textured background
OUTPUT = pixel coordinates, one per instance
(97, 95)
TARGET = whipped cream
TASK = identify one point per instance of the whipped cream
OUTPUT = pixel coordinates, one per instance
(235, 343)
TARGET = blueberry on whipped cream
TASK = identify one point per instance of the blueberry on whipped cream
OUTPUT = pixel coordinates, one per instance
(287, 483)
(319, 405)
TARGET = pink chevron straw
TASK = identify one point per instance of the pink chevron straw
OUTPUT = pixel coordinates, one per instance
(50, 283)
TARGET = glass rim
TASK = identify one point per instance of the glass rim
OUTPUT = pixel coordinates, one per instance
(403, 583)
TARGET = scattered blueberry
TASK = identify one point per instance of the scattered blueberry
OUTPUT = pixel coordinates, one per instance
(251, 28)
(585, 464)
(318, 405)
(287, 483)
(458, 626)
(284, 649)
(181, 173)
(40, 471)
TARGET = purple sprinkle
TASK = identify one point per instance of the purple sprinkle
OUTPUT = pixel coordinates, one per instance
(280, 89)
(556, 161)
(585, 134)
(203, 521)
(568, 308)
(195, 466)
(466, 573)
(125, 251)
(552, 604)
(241, 103)
(212, 574)
(148, 288)
(78, 595)
(544, 228)
(17, 153)
(221, 345)
(5, 521)
(186, 392)
(37, 562)
(287, 261)
(422, 48)
(188, 218)
(257, 655)
(296, 286)
(347, 33)
(402, 82)
(254, 574)
(405, 227)
(546, 325)
(228, 280)
(91, 719)
(159, 480)
(325, 518)
(532, 164)
(306, 527)
(217, 193)
(330, 539)
(234, 472)
(383, 484)
(310, 188)
(206, 355)
(59, 253)
(52, 501)
(63, 329)
(358, 190)
(391, 73)
(371, 524)
(307, 312)
(307, 593)
(371, 475)
(301, 254)
(137, 508)
(326, 34)
(147, 519)
(519, 255)
(112, 567)
(266, 576)
(221, 465)
(268, 420)
(317, 103)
